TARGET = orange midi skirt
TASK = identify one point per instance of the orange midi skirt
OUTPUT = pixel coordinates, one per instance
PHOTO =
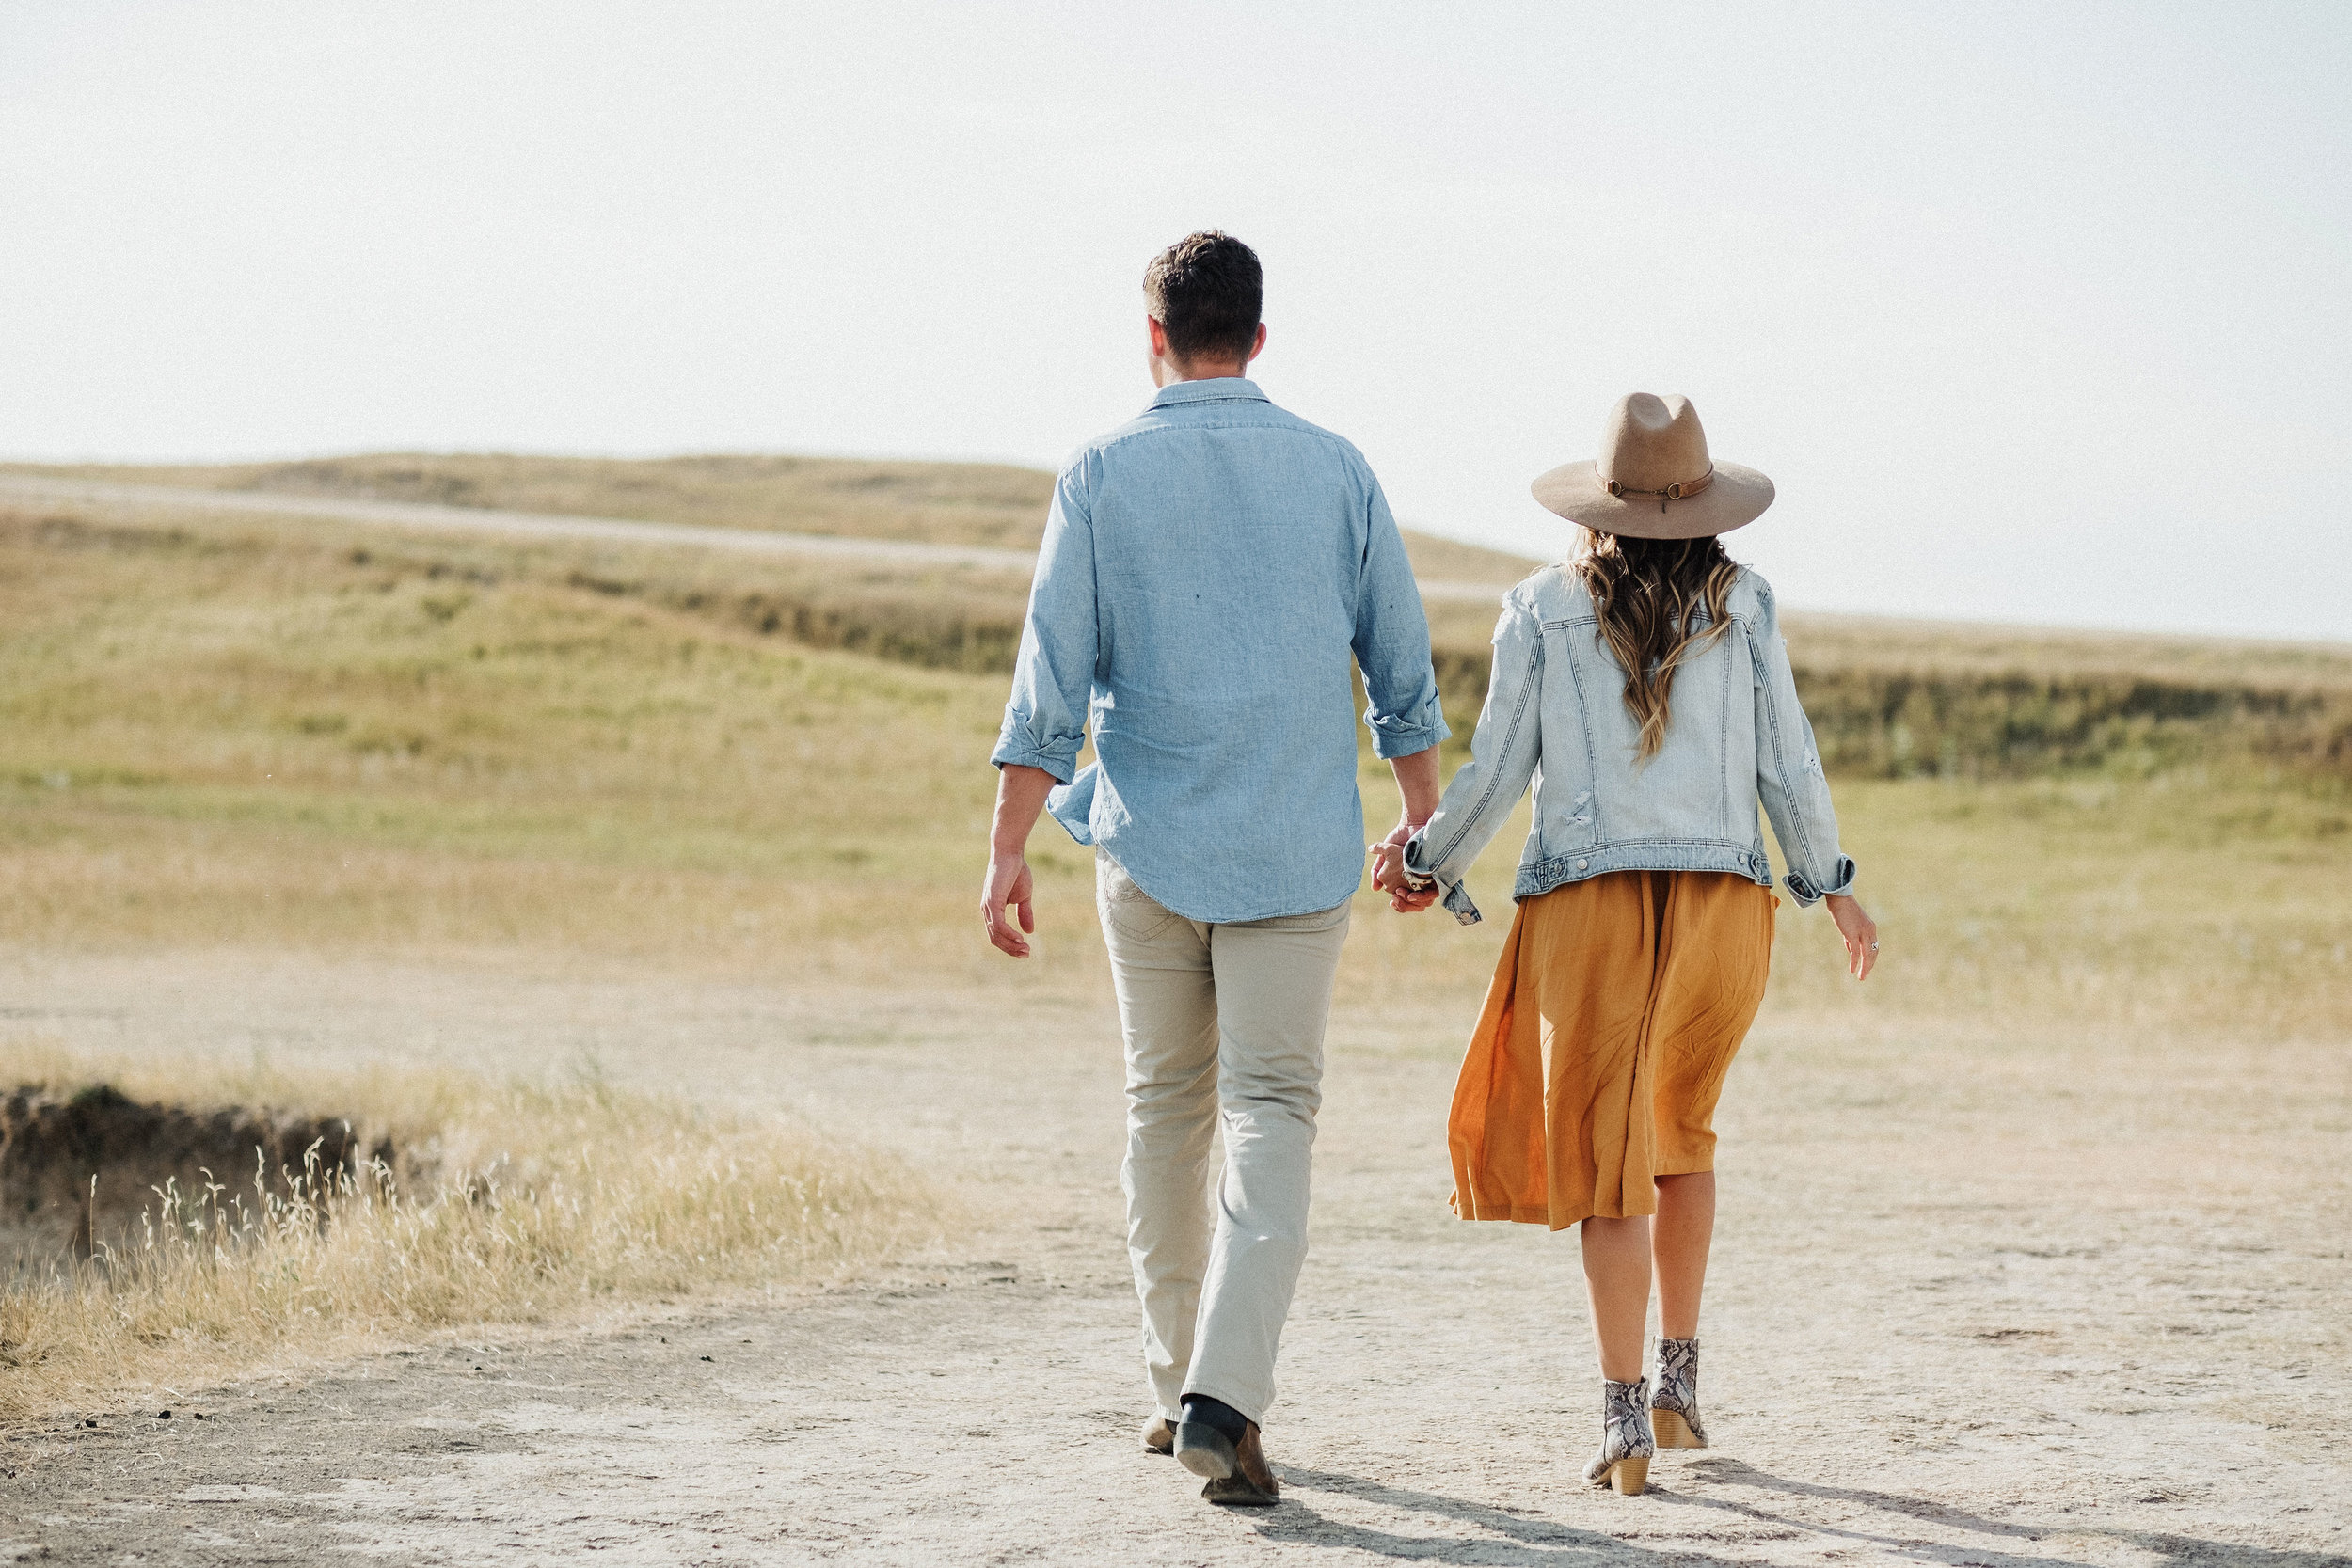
(1613, 1015)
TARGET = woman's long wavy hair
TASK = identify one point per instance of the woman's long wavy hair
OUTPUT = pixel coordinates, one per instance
(1661, 601)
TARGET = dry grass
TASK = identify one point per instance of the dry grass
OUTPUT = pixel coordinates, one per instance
(292, 737)
(228, 736)
(2090, 1082)
(961, 504)
(1889, 698)
(513, 1203)
(266, 735)
(946, 503)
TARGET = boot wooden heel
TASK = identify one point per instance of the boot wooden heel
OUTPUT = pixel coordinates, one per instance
(1626, 1443)
(1673, 1430)
(1674, 1409)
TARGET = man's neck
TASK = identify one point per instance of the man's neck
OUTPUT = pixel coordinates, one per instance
(1166, 373)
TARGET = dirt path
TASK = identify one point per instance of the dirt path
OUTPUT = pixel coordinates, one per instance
(537, 524)
(1953, 1318)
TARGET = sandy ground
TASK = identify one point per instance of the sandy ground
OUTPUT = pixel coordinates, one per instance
(1977, 1298)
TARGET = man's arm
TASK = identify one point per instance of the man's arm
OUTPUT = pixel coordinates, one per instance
(1392, 642)
(1045, 720)
(1020, 797)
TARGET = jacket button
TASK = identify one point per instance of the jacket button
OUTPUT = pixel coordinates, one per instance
(1581, 865)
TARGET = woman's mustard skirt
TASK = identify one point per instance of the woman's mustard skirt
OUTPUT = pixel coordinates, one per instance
(1613, 1015)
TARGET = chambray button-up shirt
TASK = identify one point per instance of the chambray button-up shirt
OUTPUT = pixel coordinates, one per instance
(1207, 571)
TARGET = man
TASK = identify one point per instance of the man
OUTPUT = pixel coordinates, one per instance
(1208, 570)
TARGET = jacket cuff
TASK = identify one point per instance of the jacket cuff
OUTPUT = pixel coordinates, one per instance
(1413, 846)
(1393, 737)
(1806, 894)
(1458, 898)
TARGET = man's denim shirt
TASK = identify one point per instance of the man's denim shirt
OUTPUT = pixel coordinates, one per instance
(1207, 571)
(1555, 713)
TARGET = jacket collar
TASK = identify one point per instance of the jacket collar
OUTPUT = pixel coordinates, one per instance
(1220, 389)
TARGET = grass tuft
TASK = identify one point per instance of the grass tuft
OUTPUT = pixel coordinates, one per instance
(515, 1203)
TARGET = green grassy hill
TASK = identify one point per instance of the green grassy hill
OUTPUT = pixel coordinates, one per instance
(272, 733)
(946, 503)
(1889, 698)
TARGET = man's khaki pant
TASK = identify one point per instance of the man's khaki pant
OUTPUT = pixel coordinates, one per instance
(1231, 1018)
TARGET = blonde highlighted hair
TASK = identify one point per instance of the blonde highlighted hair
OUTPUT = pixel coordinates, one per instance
(1661, 601)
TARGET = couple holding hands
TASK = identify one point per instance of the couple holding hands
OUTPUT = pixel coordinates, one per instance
(1208, 571)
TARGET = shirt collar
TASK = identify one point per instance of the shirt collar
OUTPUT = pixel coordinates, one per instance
(1218, 389)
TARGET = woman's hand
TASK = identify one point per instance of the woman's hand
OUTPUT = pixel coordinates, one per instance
(1860, 931)
(1388, 872)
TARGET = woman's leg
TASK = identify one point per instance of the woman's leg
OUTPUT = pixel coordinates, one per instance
(1616, 1276)
(1684, 1228)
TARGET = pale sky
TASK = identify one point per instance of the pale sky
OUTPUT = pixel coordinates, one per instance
(2035, 313)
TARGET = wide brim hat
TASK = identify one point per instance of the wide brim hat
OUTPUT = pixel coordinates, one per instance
(1654, 479)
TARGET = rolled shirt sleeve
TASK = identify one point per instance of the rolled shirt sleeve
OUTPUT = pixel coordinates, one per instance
(1392, 642)
(1053, 678)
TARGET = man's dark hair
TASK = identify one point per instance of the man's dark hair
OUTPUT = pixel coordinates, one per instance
(1207, 291)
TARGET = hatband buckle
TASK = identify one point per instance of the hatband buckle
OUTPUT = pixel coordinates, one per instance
(1670, 492)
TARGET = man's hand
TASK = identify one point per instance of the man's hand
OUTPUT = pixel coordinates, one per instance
(1008, 882)
(1388, 874)
(1860, 931)
(1416, 781)
(1021, 792)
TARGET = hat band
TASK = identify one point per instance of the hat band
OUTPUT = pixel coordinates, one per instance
(1670, 492)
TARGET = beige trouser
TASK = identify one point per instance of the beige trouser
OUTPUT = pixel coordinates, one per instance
(1227, 1017)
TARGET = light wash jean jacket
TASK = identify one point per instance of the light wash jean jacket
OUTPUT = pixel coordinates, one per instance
(1555, 713)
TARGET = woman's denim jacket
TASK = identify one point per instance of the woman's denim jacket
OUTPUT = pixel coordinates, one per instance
(1555, 713)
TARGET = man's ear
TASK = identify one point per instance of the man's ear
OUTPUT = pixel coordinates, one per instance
(1257, 348)
(1158, 335)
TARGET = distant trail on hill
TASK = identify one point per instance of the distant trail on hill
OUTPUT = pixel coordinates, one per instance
(540, 524)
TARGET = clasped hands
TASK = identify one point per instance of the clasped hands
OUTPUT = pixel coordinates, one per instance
(1389, 875)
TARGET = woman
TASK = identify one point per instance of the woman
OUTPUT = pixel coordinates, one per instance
(1645, 689)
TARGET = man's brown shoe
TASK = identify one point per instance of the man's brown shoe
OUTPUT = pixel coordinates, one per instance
(1252, 1483)
(1158, 1436)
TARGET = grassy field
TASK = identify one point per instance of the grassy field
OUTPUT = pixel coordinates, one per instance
(421, 831)
(1889, 698)
(945, 503)
(266, 735)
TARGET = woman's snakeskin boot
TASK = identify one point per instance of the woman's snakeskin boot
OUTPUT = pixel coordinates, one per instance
(1625, 1441)
(1675, 1406)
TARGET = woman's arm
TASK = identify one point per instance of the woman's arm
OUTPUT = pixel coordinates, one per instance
(1789, 770)
(1504, 752)
(1795, 792)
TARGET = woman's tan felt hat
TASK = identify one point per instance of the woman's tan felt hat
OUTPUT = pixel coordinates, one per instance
(1653, 478)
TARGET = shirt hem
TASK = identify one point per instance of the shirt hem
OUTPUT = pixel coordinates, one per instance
(1278, 912)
